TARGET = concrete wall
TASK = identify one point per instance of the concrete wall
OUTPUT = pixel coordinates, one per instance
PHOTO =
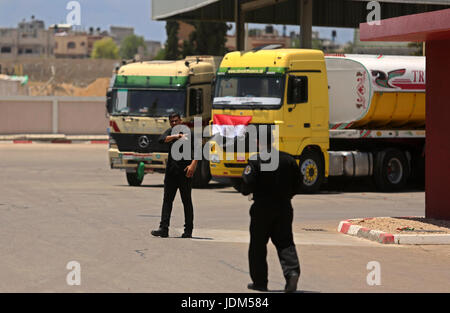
(12, 88)
(53, 115)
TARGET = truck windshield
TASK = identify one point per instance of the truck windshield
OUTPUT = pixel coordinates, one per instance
(246, 91)
(149, 102)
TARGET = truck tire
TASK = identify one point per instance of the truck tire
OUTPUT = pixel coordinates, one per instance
(133, 180)
(312, 171)
(202, 175)
(391, 170)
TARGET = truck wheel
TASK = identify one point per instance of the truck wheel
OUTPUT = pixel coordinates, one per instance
(391, 170)
(202, 175)
(312, 171)
(133, 180)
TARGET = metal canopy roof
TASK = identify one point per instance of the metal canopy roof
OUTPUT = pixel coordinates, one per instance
(329, 13)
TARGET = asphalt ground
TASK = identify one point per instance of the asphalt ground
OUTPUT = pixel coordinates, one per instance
(61, 203)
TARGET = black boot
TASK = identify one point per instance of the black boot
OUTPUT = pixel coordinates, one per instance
(187, 233)
(253, 286)
(291, 283)
(291, 267)
(161, 232)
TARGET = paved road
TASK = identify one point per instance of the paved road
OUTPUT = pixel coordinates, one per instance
(61, 203)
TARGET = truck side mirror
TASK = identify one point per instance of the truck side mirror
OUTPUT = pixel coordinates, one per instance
(109, 102)
(213, 88)
(297, 89)
(195, 101)
(199, 101)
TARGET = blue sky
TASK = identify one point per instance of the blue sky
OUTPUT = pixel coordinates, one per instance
(103, 13)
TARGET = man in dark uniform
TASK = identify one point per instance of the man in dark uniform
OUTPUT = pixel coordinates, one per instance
(178, 176)
(271, 217)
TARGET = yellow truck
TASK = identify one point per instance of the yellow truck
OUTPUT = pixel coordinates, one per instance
(141, 97)
(339, 115)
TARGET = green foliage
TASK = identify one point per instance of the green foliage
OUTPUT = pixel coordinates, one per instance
(161, 55)
(349, 48)
(418, 46)
(171, 51)
(105, 48)
(130, 45)
(315, 44)
(208, 38)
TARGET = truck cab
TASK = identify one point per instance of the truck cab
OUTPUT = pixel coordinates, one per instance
(281, 87)
(141, 97)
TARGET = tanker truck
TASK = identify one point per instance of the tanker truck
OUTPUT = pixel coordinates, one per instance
(140, 99)
(341, 115)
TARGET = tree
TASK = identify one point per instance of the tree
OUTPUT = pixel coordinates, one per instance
(105, 48)
(207, 38)
(161, 55)
(418, 46)
(130, 45)
(172, 51)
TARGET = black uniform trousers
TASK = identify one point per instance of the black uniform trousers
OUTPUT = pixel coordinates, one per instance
(272, 220)
(172, 183)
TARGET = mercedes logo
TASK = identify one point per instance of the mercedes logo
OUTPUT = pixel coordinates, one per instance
(143, 141)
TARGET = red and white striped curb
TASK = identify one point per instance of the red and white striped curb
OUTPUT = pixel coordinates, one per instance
(346, 227)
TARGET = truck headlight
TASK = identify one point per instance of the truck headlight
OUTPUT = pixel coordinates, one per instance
(215, 158)
(112, 142)
(116, 160)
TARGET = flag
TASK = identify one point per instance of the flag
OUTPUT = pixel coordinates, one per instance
(229, 125)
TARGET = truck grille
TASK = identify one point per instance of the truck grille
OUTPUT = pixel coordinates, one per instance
(232, 147)
(235, 165)
(137, 143)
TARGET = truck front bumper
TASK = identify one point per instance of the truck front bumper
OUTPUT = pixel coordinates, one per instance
(227, 168)
(129, 161)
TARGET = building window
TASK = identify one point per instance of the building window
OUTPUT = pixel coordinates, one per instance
(71, 45)
(83, 43)
(6, 50)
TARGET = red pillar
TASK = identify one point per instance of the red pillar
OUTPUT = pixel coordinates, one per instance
(437, 164)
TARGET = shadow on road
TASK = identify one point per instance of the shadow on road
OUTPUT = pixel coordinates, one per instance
(298, 291)
(215, 186)
(333, 185)
(337, 185)
(196, 238)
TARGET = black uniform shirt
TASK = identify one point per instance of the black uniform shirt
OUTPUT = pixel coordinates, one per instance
(176, 167)
(280, 184)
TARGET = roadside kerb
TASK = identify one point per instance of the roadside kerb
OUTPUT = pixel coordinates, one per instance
(346, 227)
(54, 138)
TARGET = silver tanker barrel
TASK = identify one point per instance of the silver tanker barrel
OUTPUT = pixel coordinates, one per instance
(376, 92)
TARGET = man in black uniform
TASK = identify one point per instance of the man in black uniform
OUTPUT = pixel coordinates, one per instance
(178, 176)
(271, 217)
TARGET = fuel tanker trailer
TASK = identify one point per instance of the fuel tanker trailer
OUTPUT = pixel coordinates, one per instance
(339, 115)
